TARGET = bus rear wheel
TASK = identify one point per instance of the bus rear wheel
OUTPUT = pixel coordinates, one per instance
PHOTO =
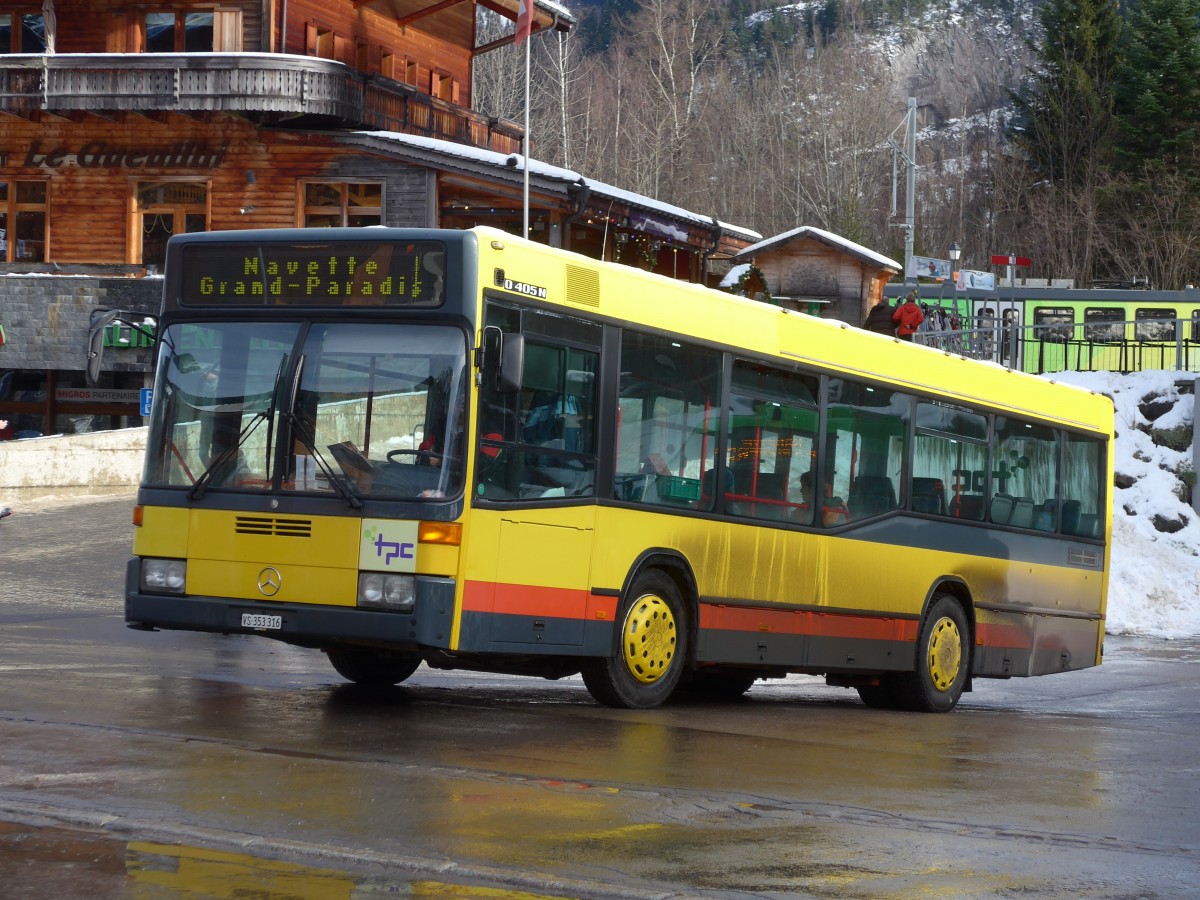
(943, 660)
(372, 668)
(649, 651)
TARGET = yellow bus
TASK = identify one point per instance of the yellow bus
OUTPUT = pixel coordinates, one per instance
(465, 449)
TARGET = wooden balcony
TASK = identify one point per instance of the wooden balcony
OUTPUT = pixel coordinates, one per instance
(270, 89)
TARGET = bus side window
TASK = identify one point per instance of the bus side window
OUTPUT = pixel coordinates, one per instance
(668, 421)
(1083, 485)
(949, 460)
(1026, 459)
(539, 442)
(865, 447)
(772, 425)
(557, 418)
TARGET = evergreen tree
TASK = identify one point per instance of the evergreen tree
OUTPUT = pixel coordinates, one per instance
(1158, 88)
(1064, 118)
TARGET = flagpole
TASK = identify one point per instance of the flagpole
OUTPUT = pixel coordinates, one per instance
(525, 192)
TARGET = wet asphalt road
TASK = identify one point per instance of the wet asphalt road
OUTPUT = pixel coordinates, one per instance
(185, 765)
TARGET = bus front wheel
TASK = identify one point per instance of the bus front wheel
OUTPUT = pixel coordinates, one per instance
(370, 667)
(650, 649)
(943, 660)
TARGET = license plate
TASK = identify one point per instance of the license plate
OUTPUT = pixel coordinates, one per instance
(254, 620)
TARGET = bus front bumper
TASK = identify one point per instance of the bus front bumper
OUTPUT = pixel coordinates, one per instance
(304, 624)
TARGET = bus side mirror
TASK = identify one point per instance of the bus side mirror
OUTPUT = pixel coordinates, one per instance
(504, 359)
(100, 320)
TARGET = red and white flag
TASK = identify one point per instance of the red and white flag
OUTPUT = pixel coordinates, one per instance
(524, 21)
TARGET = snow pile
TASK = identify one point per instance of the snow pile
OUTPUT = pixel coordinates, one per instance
(1154, 579)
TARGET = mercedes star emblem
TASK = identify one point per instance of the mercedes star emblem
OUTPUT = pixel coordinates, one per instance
(269, 581)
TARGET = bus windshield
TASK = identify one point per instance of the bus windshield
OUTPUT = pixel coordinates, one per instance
(362, 409)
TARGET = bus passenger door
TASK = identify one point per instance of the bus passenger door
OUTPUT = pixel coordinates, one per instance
(543, 564)
(532, 517)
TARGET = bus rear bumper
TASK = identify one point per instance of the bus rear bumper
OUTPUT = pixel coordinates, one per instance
(303, 624)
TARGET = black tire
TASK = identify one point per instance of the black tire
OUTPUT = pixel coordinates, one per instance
(372, 668)
(649, 649)
(882, 695)
(943, 660)
(716, 685)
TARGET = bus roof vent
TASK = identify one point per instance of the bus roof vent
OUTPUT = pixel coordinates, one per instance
(583, 286)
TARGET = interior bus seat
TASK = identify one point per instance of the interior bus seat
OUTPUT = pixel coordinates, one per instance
(1089, 525)
(708, 487)
(1045, 515)
(1022, 512)
(871, 495)
(1070, 517)
(967, 506)
(770, 486)
(929, 496)
(1002, 507)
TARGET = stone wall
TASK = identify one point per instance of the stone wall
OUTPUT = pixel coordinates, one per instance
(46, 319)
(103, 462)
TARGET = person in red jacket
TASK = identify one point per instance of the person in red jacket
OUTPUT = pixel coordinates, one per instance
(908, 317)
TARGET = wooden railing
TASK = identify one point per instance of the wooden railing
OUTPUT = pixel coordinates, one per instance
(266, 87)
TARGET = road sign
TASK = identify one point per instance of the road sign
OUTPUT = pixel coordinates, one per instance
(146, 397)
(1023, 261)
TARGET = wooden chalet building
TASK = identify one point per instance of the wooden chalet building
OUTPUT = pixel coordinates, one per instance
(124, 123)
(821, 273)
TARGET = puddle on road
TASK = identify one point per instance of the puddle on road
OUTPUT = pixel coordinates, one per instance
(65, 862)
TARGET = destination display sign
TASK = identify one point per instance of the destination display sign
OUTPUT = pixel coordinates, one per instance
(320, 273)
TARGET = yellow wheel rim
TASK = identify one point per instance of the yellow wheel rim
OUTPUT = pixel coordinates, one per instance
(945, 653)
(649, 639)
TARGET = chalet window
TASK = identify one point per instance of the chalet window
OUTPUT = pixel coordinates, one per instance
(22, 33)
(193, 32)
(319, 41)
(332, 204)
(23, 221)
(164, 208)
(442, 86)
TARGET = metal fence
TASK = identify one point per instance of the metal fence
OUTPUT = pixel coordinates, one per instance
(1042, 349)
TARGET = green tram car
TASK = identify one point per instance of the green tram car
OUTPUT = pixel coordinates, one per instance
(1044, 330)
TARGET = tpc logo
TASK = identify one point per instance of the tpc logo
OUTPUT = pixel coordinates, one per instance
(388, 546)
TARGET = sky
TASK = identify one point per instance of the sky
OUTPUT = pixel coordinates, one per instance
(1154, 578)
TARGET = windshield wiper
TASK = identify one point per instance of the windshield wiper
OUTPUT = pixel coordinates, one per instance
(340, 483)
(225, 456)
(268, 415)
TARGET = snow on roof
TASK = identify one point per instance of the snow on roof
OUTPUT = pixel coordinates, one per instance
(734, 275)
(555, 8)
(513, 161)
(827, 237)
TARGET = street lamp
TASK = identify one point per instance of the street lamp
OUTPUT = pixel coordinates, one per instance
(955, 256)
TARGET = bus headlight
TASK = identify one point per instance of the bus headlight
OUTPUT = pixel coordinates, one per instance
(163, 576)
(395, 592)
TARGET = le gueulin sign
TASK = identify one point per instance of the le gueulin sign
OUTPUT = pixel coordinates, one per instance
(101, 155)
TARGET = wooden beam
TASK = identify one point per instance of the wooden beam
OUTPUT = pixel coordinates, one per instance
(501, 42)
(404, 21)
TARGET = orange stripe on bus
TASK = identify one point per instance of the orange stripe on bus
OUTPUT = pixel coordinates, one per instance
(532, 600)
(567, 603)
(1008, 636)
(795, 621)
